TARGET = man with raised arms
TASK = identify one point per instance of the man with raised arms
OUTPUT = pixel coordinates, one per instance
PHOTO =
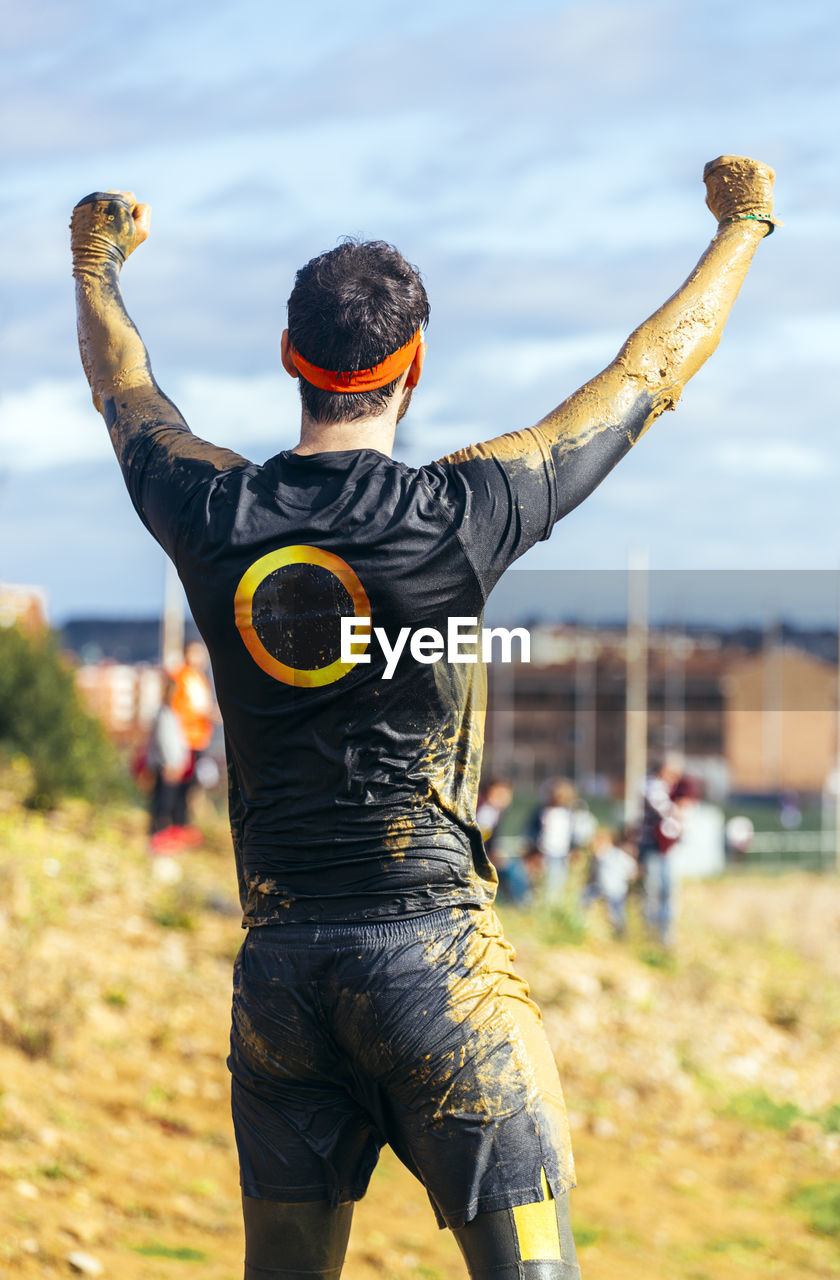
(374, 996)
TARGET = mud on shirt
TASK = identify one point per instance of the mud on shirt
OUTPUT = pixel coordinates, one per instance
(352, 797)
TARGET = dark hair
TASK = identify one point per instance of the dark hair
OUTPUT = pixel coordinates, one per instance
(349, 309)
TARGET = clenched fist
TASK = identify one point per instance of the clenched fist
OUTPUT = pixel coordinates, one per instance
(740, 188)
(105, 228)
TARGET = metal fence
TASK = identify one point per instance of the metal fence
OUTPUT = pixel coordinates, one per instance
(784, 850)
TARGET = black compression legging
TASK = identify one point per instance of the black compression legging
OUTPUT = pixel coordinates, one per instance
(299, 1241)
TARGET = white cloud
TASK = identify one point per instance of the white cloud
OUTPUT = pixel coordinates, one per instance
(239, 412)
(808, 340)
(764, 458)
(543, 166)
(50, 422)
(53, 422)
(521, 362)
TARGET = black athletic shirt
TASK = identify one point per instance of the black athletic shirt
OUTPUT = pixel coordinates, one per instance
(352, 797)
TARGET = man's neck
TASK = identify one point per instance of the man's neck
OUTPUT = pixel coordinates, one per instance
(365, 433)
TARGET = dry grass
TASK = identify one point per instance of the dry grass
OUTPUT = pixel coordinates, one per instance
(703, 1090)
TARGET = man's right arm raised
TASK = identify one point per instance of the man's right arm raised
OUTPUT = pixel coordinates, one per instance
(547, 470)
(162, 461)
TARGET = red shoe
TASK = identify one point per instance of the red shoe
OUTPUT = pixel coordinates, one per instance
(189, 837)
(163, 844)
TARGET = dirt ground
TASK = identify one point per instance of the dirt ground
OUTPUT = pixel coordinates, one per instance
(703, 1087)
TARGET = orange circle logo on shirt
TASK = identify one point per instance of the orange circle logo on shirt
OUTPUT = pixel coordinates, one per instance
(288, 609)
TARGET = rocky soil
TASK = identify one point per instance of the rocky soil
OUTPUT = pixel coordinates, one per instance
(703, 1087)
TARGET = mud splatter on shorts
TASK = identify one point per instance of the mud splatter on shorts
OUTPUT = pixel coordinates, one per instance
(417, 1033)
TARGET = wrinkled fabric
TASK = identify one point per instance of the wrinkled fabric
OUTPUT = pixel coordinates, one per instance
(352, 796)
(418, 1033)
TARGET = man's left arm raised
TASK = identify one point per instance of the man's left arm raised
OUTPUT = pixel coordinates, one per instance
(515, 488)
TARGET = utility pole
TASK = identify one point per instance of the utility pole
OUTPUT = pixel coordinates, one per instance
(586, 668)
(501, 686)
(636, 650)
(837, 748)
(676, 648)
(773, 656)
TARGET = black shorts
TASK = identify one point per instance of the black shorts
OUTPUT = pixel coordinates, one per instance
(417, 1033)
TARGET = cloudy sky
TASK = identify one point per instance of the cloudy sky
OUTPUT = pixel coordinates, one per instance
(542, 165)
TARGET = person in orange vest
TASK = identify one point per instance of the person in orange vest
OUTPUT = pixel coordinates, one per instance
(165, 760)
(194, 705)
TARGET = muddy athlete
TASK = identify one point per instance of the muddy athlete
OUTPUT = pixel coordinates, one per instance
(374, 996)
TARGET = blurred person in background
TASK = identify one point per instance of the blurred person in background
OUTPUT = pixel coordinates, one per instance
(739, 834)
(790, 810)
(168, 760)
(493, 800)
(584, 824)
(554, 837)
(514, 881)
(611, 872)
(193, 703)
(668, 797)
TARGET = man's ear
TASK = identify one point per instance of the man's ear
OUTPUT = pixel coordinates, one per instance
(415, 369)
(286, 355)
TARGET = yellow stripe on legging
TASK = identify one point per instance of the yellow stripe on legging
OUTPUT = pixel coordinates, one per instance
(536, 1228)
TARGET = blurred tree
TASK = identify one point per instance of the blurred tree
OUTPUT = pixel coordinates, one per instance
(42, 719)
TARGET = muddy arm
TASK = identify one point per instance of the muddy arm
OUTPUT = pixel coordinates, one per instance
(575, 446)
(105, 228)
(162, 461)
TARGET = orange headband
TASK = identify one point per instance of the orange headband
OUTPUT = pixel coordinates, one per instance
(359, 379)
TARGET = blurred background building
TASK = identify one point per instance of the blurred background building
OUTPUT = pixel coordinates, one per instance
(752, 713)
(23, 606)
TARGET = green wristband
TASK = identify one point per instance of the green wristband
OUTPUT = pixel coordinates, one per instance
(754, 217)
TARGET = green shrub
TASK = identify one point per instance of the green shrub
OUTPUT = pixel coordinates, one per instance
(182, 1253)
(830, 1119)
(42, 719)
(820, 1202)
(563, 923)
(757, 1108)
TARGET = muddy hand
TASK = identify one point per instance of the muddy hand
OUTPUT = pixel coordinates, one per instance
(739, 188)
(105, 228)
